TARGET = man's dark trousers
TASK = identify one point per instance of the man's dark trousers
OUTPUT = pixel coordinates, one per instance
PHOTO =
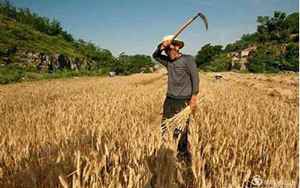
(170, 108)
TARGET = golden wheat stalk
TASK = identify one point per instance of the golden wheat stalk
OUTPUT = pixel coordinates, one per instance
(180, 120)
(247, 118)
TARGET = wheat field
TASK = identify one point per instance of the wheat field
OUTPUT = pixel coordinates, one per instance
(102, 132)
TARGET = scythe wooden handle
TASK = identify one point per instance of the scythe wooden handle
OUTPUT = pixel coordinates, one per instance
(187, 23)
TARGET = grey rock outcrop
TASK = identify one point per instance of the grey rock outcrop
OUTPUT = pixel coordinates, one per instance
(46, 62)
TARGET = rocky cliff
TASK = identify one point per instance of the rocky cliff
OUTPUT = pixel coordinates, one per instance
(43, 62)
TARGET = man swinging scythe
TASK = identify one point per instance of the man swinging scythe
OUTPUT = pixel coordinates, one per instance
(183, 87)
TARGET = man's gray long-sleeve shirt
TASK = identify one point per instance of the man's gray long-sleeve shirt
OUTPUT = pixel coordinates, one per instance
(183, 75)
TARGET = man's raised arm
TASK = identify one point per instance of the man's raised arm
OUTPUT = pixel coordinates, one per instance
(159, 57)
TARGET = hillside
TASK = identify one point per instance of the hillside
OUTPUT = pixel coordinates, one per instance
(25, 38)
(272, 48)
(24, 49)
(34, 47)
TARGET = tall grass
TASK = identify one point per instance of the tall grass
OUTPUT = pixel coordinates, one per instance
(104, 132)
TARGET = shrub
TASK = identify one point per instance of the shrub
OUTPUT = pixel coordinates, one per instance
(126, 64)
(290, 60)
(236, 66)
(220, 63)
(266, 60)
(207, 54)
(11, 73)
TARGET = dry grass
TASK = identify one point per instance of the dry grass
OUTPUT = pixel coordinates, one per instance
(100, 132)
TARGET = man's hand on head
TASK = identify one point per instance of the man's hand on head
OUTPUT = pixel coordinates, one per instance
(193, 103)
(165, 44)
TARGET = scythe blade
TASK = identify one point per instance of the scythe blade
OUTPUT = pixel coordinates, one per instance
(187, 23)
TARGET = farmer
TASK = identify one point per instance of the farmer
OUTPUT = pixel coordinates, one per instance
(183, 87)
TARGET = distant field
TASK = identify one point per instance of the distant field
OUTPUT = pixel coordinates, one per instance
(99, 132)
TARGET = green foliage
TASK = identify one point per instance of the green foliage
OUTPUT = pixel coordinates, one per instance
(126, 64)
(290, 59)
(236, 66)
(24, 37)
(265, 59)
(26, 31)
(270, 29)
(56, 39)
(89, 50)
(271, 59)
(11, 73)
(206, 55)
(292, 23)
(213, 58)
(276, 28)
(244, 42)
(220, 63)
(272, 36)
(42, 24)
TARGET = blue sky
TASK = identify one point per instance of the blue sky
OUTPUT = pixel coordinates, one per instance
(136, 26)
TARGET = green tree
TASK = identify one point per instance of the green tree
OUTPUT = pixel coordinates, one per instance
(220, 63)
(265, 59)
(292, 22)
(7, 9)
(126, 64)
(272, 29)
(245, 41)
(290, 60)
(55, 27)
(206, 55)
